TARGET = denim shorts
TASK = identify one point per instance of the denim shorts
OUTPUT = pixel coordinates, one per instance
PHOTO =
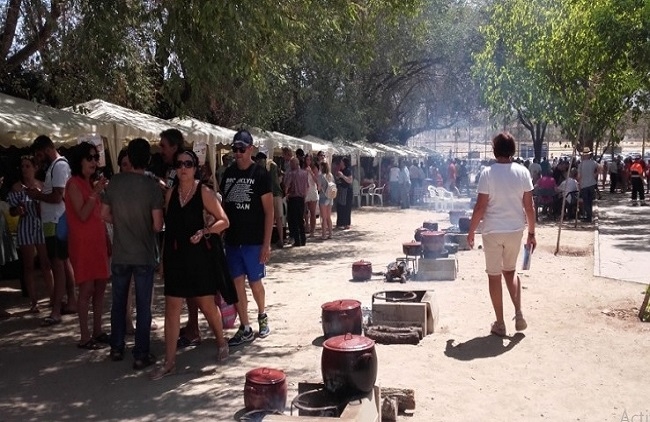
(245, 260)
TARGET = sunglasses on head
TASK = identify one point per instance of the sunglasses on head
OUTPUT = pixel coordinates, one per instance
(188, 164)
(91, 157)
(239, 149)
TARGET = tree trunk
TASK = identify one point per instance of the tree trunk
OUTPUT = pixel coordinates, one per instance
(537, 132)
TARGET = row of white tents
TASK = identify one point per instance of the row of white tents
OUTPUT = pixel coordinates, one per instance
(21, 121)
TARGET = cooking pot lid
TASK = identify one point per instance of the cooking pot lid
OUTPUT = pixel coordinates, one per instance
(362, 263)
(430, 233)
(341, 305)
(348, 342)
(265, 376)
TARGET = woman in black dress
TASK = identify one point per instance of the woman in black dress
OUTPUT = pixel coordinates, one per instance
(344, 195)
(193, 258)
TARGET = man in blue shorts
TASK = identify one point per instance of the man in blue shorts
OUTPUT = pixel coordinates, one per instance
(248, 202)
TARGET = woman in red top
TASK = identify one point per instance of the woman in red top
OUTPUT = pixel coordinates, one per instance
(87, 243)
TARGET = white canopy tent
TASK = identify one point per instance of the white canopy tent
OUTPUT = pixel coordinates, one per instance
(129, 124)
(21, 121)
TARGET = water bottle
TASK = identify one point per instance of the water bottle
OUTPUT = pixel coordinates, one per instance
(527, 257)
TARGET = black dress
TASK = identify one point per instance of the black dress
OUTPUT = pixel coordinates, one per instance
(193, 270)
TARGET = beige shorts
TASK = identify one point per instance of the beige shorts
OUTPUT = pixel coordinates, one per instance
(501, 251)
(278, 206)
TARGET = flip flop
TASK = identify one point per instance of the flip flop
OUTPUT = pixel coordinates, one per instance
(49, 321)
(90, 345)
(162, 372)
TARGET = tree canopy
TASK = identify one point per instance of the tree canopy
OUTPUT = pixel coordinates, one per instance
(382, 69)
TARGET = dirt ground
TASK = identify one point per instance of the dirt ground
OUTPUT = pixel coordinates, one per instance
(582, 358)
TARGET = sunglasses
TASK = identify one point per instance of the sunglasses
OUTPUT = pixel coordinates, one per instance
(188, 164)
(92, 157)
(240, 150)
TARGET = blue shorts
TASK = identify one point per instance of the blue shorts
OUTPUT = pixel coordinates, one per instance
(245, 260)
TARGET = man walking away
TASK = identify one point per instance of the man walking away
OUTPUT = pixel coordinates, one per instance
(636, 177)
(588, 179)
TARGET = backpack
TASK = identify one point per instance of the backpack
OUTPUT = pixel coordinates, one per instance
(331, 190)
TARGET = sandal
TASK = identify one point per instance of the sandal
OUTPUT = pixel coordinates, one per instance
(33, 309)
(162, 372)
(498, 329)
(520, 322)
(90, 345)
(222, 353)
(184, 342)
(50, 321)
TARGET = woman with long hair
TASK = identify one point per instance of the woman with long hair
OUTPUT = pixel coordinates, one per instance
(87, 241)
(325, 203)
(193, 257)
(30, 229)
(312, 194)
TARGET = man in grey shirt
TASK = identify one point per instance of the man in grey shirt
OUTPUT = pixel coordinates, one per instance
(134, 205)
(588, 179)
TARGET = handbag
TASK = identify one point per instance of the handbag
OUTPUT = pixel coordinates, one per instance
(228, 312)
(62, 228)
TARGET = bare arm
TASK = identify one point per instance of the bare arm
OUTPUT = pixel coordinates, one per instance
(267, 205)
(477, 215)
(55, 197)
(107, 215)
(158, 219)
(220, 221)
(83, 208)
(529, 209)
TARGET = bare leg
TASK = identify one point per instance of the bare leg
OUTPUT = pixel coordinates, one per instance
(69, 284)
(27, 253)
(259, 295)
(312, 217)
(192, 327)
(242, 303)
(496, 296)
(173, 307)
(85, 292)
(46, 269)
(514, 288)
(58, 273)
(323, 221)
(98, 306)
(213, 315)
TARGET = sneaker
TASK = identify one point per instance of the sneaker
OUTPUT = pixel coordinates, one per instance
(263, 321)
(241, 336)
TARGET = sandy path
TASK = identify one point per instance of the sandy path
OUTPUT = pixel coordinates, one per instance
(573, 362)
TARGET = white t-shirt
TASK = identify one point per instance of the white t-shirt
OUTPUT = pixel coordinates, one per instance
(587, 171)
(535, 170)
(394, 174)
(567, 186)
(505, 185)
(56, 176)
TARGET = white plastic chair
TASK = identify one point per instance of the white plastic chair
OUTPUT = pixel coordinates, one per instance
(379, 194)
(447, 198)
(433, 198)
(366, 193)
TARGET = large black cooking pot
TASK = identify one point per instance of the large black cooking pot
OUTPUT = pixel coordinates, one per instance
(341, 316)
(349, 365)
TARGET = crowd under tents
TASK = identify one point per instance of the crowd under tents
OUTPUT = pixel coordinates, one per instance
(22, 121)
